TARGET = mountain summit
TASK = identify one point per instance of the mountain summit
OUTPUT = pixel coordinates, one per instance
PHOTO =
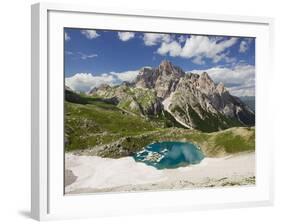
(163, 79)
(193, 100)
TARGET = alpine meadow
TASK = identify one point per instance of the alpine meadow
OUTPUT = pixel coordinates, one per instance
(157, 111)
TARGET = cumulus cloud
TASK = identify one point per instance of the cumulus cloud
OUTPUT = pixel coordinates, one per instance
(239, 80)
(205, 46)
(224, 56)
(198, 60)
(90, 34)
(173, 48)
(66, 36)
(125, 36)
(151, 39)
(84, 82)
(198, 48)
(128, 76)
(245, 44)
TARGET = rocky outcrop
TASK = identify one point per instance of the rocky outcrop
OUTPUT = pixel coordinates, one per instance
(140, 101)
(163, 79)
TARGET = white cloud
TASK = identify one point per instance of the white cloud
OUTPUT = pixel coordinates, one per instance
(239, 80)
(86, 56)
(90, 34)
(245, 90)
(195, 47)
(225, 57)
(125, 36)
(173, 48)
(151, 39)
(243, 47)
(80, 55)
(128, 76)
(66, 36)
(83, 82)
(198, 60)
(200, 47)
(245, 44)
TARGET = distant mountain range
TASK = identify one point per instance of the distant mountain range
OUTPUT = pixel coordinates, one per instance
(192, 100)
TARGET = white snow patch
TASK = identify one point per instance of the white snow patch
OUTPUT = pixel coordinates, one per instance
(166, 103)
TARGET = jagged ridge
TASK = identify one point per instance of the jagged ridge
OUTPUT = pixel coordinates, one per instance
(194, 100)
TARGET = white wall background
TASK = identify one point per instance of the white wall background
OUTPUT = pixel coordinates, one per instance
(15, 110)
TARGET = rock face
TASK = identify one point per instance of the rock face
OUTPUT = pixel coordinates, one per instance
(163, 79)
(194, 100)
(200, 103)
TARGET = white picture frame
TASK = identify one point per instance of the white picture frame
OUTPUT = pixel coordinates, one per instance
(47, 198)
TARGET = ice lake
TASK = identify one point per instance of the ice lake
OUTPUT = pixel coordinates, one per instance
(168, 155)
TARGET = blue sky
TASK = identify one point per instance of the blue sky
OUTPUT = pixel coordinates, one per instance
(93, 57)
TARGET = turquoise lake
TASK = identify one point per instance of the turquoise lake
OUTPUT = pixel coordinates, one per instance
(169, 155)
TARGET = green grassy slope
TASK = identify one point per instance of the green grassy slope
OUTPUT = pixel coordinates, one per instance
(99, 123)
(91, 123)
(216, 144)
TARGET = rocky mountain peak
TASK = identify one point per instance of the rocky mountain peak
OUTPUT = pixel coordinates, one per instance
(163, 78)
(220, 88)
(205, 79)
(102, 87)
(205, 76)
(191, 99)
(206, 84)
(166, 65)
(167, 68)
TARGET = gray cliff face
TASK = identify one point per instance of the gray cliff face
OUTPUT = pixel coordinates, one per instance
(192, 99)
(163, 79)
(202, 104)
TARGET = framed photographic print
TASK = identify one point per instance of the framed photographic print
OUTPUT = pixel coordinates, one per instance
(148, 111)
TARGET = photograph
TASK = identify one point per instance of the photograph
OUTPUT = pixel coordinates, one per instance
(150, 111)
